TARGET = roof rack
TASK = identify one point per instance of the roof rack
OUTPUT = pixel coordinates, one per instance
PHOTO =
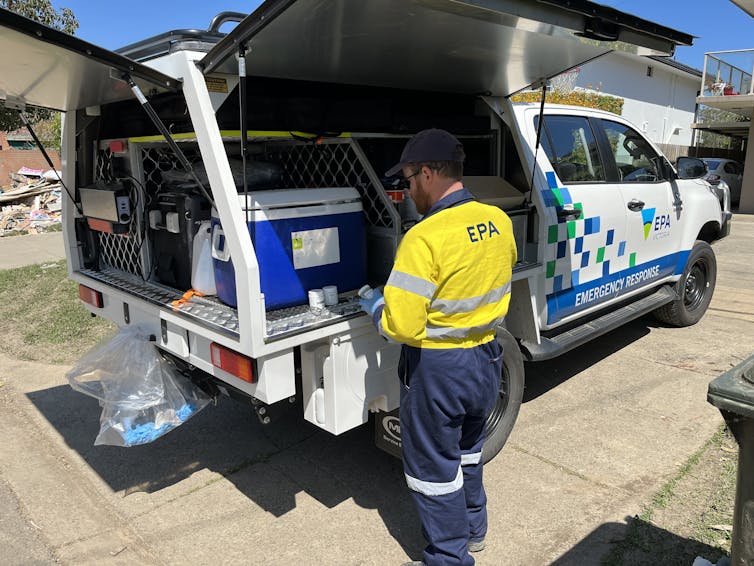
(180, 39)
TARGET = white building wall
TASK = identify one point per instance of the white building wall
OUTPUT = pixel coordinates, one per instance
(661, 106)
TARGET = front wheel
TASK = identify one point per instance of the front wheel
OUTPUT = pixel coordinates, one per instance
(503, 416)
(695, 288)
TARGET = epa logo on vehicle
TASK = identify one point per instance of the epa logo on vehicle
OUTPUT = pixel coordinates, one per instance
(658, 225)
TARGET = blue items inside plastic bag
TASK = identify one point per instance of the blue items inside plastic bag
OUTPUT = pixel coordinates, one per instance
(147, 432)
(143, 396)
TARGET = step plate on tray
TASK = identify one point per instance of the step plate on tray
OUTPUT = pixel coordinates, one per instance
(294, 320)
(220, 317)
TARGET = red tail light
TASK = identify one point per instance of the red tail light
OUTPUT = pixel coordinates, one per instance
(232, 362)
(90, 296)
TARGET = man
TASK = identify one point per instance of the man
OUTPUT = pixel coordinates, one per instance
(447, 293)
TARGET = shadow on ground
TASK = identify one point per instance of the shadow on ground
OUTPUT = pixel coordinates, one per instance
(636, 543)
(272, 464)
(268, 464)
(541, 377)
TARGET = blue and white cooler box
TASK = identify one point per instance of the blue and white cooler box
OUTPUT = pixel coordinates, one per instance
(303, 238)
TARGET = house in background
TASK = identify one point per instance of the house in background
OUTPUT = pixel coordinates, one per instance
(727, 86)
(659, 93)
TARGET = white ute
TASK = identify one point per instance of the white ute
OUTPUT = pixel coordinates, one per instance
(271, 142)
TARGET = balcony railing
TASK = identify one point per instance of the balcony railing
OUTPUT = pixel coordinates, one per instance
(728, 73)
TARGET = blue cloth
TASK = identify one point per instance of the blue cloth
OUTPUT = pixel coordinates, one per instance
(372, 303)
(148, 432)
(446, 396)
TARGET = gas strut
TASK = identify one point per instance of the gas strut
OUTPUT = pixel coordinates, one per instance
(244, 122)
(539, 138)
(46, 155)
(164, 131)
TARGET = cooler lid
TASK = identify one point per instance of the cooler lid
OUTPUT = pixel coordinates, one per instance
(494, 47)
(287, 198)
(46, 67)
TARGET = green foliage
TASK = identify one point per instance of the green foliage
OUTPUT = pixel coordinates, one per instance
(49, 131)
(575, 98)
(43, 12)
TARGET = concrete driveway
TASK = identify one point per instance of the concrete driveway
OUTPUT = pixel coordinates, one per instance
(601, 430)
(17, 251)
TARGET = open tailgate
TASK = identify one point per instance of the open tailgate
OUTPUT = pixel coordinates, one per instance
(41, 66)
(492, 47)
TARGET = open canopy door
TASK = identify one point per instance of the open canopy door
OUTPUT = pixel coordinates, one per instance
(492, 47)
(45, 67)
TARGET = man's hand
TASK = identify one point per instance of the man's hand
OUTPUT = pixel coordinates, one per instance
(373, 302)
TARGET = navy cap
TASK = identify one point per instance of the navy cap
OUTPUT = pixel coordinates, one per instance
(429, 145)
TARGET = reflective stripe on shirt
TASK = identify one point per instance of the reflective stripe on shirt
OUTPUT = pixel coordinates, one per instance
(455, 306)
(449, 332)
(412, 284)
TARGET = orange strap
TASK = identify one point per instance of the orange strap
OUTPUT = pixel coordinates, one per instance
(186, 297)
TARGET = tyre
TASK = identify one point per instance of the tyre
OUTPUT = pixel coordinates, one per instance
(503, 415)
(694, 288)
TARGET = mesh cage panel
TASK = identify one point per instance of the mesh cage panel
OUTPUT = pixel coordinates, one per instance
(332, 163)
(121, 251)
(158, 159)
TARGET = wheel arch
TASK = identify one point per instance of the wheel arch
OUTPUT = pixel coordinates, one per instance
(709, 232)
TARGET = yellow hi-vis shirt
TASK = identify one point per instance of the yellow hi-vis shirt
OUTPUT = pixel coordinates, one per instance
(451, 281)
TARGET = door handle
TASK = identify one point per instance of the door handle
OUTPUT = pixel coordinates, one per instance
(635, 205)
(569, 213)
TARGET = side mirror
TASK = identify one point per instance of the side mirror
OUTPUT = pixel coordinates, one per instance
(690, 168)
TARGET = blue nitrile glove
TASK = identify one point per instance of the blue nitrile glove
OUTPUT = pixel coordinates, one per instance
(372, 302)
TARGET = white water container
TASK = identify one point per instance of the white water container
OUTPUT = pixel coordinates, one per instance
(202, 270)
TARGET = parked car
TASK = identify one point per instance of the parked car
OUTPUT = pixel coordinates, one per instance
(729, 171)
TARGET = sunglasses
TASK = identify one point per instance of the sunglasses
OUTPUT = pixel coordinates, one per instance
(404, 182)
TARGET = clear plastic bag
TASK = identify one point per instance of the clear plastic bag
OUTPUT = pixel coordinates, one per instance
(142, 395)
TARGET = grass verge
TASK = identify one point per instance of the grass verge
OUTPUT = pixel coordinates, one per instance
(691, 515)
(43, 319)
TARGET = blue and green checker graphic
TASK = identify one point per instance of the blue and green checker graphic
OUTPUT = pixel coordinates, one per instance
(579, 252)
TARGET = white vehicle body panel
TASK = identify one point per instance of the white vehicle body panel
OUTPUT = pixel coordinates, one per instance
(606, 255)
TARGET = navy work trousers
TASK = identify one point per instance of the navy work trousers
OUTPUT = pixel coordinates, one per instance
(446, 396)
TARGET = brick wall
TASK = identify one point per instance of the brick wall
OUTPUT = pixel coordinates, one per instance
(11, 160)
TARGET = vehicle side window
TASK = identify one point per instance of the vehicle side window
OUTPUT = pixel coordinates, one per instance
(635, 159)
(730, 168)
(571, 147)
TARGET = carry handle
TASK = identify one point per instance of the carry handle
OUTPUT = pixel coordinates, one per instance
(218, 253)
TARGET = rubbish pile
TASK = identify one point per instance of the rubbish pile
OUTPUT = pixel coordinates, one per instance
(31, 202)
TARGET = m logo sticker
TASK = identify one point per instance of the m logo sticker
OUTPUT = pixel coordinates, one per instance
(392, 426)
(647, 217)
